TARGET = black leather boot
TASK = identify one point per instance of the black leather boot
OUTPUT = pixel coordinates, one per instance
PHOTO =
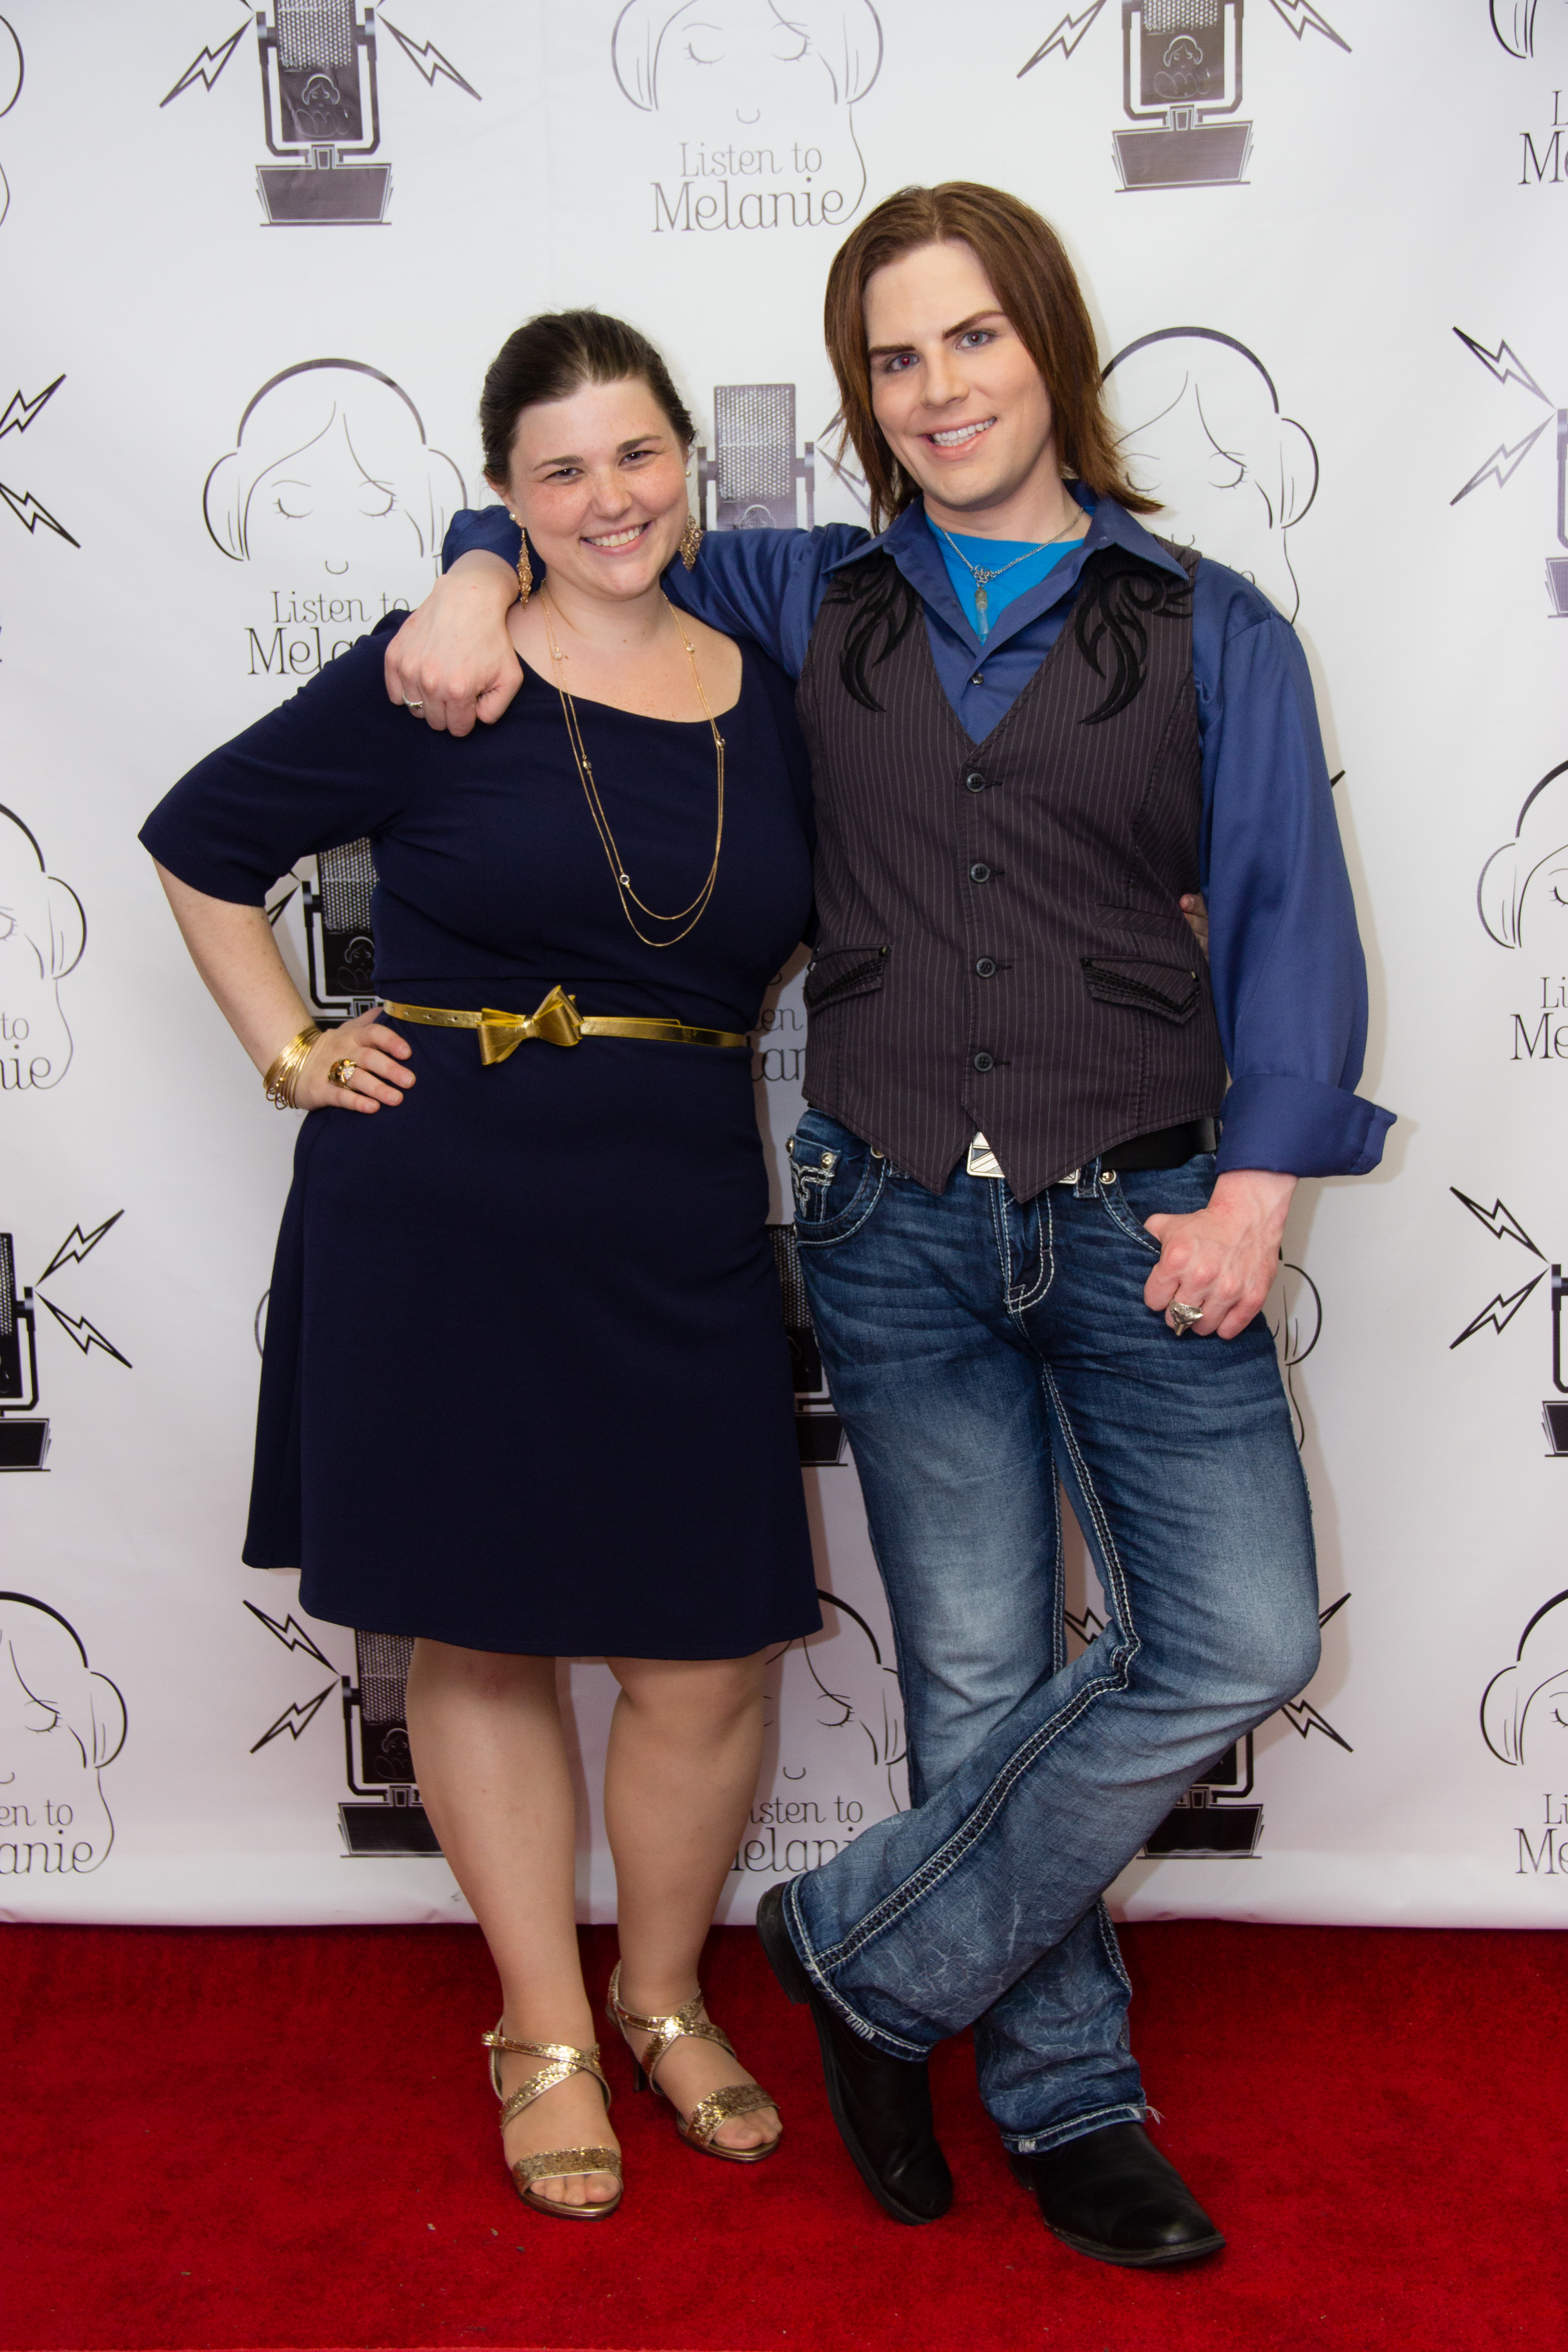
(1113, 2195)
(880, 2105)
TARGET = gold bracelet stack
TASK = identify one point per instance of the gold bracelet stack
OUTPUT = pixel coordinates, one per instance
(282, 1079)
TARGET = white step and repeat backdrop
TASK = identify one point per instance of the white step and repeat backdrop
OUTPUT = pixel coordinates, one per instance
(255, 263)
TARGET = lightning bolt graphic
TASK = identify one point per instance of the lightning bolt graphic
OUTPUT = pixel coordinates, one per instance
(1505, 364)
(1088, 1627)
(292, 1635)
(1331, 1610)
(1497, 1312)
(77, 1243)
(26, 509)
(1065, 36)
(1304, 1718)
(87, 1336)
(295, 1716)
(1494, 465)
(1500, 1222)
(1299, 13)
(20, 411)
(198, 69)
(428, 59)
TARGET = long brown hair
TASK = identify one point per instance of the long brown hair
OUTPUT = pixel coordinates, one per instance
(1024, 259)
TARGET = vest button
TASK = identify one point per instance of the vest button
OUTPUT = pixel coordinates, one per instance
(975, 781)
(980, 874)
(985, 1062)
(986, 967)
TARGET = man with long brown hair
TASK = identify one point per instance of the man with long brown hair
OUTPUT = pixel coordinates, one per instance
(1036, 732)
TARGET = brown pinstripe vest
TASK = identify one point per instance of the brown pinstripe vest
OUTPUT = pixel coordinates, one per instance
(999, 942)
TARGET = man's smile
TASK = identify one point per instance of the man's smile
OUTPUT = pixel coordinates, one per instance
(959, 436)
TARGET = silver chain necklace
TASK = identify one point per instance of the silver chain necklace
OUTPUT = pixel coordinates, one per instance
(982, 577)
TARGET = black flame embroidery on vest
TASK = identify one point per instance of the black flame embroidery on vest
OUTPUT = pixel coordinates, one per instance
(886, 609)
(1118, 597)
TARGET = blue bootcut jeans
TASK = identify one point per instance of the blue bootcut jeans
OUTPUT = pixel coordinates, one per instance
(981, 1350)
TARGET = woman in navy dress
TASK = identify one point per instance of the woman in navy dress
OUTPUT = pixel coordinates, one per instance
(526, 1391)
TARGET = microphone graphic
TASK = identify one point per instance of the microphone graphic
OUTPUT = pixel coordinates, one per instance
(1553, 1411)
(1199, 1824)
(818, 1430)
(24, 1443)
(755, 468)
(394, 1822)
(339, 946)
(1188, 57)
(1557, 565)
(321, 114)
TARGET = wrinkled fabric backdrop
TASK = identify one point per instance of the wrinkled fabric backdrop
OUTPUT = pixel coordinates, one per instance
(255, 265)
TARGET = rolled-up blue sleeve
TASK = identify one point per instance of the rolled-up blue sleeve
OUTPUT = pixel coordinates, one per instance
(767, 584)
(1285, 963)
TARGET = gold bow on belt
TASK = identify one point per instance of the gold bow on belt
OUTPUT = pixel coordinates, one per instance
(556, 1023)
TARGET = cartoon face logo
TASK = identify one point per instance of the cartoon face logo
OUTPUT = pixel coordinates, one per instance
(1522, 894)
(1183, 73)
(60, 1724)
(760, 95)
(333, 480)
(759, 68)
(1524, 1710)
(1201, 432)
(845, 1685)
(42, 934)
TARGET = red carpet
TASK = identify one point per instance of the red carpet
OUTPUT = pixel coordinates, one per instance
(222, 2139)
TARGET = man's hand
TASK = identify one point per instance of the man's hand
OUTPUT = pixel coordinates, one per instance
(1224, 1257)
(454, 657)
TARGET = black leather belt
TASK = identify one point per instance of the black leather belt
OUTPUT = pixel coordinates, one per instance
(1163, 1147)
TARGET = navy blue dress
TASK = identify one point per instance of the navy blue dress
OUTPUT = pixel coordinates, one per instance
(526, 1386)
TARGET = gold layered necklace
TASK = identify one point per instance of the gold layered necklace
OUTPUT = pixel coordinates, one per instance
(696, 908)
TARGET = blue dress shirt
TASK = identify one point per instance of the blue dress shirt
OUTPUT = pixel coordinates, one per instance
(1284, 958)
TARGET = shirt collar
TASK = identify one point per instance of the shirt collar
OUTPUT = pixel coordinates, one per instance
(912, 545)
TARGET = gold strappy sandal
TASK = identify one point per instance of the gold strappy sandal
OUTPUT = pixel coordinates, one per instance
(557, 2163)
(688, 2023)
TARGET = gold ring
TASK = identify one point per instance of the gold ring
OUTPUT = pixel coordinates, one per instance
(415, 707)
(342, 1072)
(1184, 1317)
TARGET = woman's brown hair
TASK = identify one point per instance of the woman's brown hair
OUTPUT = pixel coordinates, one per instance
(1024, 259)
(555, 355)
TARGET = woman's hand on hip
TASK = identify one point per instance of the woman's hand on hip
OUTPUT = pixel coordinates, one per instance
(377, 1056)
(1224, 1257)
(453, 660)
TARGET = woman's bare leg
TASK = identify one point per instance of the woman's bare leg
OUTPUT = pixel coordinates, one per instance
(686, 1745)
(490, 1761)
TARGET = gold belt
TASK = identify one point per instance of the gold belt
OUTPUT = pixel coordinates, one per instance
(556, 1023)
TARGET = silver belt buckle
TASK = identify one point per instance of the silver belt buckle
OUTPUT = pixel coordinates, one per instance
(981, 1160)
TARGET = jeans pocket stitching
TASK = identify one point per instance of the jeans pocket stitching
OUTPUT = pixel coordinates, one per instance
(848, 1219)
(1133, 1227)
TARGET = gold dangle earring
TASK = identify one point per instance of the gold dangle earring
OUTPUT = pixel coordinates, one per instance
(524, 568)
(691, 536)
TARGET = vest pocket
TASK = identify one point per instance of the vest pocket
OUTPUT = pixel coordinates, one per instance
(836, 973)
(1172, 991)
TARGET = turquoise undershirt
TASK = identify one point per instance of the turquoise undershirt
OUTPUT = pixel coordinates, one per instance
(990, 554)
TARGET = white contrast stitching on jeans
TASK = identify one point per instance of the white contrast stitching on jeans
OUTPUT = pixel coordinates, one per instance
(952, 1849)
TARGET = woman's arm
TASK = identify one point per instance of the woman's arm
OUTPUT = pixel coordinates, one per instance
(234, 949)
